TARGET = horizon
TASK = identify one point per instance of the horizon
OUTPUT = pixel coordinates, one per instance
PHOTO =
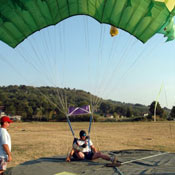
(67, 88)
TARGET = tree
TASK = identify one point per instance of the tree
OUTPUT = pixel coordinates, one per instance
(121, 110)
(105, 108)
(129, 112)
(159, 110)
(172, 113)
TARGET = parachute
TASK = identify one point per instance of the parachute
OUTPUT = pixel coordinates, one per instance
(141, 18)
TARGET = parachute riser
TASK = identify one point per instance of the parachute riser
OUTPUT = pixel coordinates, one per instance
(70, 126)
(90, 123)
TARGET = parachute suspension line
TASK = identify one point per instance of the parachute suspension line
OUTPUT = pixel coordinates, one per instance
(52, 53)
(46, 55)
(61, 96)
(86, 34)
(61, 107)
(156, 102)
(27, 60)
(85, 22)
(118, 66)
(49, 54)
(97, 100)
(88, 57)
(144, 158)
(123, 57)
(140, 56)
(107, 64)
(20, 50)
(47, 98)
(61, 103)
(100, 49)
(123, 76)
(170, 126)
(2, 58)
(56, 105)
(93, 106)
(64, 55)
(107, 81)
(64, 96)
(35, 51)
(55, 53)
(93, 109)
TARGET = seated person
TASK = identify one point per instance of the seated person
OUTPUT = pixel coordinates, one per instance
(83, 148)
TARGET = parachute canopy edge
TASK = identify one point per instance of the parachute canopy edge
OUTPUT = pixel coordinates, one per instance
(20, 18)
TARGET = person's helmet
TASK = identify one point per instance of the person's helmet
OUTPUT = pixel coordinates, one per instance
(82, 133)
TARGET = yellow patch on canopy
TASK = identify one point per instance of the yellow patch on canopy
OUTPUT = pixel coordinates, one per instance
(169, 3)
(113, 31)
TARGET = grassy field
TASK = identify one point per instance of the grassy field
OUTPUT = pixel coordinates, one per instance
(34, 140)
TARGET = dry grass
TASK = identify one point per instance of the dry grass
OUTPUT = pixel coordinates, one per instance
(34, 140)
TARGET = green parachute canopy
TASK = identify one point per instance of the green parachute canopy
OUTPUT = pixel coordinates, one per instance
(141, 18)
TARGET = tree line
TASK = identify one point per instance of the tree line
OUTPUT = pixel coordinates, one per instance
(38, 103)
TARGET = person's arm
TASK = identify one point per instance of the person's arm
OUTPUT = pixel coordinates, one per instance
(68, 159)
(6, 149)
(93, 148)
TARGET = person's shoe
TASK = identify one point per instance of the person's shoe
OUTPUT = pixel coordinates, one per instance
(116, 164)
(114, 159)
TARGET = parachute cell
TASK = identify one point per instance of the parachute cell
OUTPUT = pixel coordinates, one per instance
(141, 18)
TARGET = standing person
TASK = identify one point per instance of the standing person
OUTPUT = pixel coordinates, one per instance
(83, 148)
(5, 144)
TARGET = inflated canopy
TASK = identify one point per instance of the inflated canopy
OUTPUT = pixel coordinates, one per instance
(141, 18)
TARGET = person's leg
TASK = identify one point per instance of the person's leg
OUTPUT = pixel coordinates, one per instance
(3, 165)
(108, 158)
(1, 172)
(76, 154)
(80, 155)
(100, 155)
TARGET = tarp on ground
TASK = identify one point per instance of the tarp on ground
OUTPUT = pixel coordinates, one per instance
(154, 163)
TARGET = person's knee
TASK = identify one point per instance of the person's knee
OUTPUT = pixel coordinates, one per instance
(98, 154)
(81, 155)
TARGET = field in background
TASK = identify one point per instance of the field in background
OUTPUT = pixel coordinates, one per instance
(36, 139)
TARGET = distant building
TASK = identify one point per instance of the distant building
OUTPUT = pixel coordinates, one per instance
(145, 115)
(1, 109)
(16, 118)
(2, 113)
(109, 116)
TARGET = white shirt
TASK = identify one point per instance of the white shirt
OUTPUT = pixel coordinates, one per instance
(88, 147)
(4, 139)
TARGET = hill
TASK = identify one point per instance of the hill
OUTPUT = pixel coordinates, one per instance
(49, 103)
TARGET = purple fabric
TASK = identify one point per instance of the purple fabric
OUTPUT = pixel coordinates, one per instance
(79, 110)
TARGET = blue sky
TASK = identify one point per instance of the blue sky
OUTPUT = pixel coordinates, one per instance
(80, 53)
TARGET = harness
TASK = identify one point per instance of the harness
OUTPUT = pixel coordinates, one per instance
(78, 147)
